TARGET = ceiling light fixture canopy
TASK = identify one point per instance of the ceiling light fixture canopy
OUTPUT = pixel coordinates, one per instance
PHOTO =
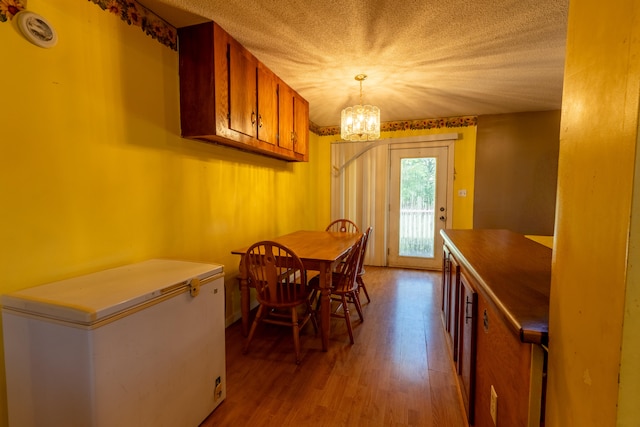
(360, 122)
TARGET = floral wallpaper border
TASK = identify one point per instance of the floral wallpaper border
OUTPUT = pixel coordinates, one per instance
(447, 122)
(9, 8)
(133, 13)
(130, 11)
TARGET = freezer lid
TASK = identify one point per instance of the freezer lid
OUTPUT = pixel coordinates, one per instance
(92, 297)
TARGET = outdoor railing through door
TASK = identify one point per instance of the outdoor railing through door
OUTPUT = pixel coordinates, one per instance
(416, 231)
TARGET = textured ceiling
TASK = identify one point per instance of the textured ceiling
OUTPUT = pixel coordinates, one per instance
(424, 59)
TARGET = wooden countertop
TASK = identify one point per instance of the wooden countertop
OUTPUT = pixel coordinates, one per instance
(512, 272)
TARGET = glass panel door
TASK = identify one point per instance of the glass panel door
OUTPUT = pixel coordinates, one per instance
(417, 207)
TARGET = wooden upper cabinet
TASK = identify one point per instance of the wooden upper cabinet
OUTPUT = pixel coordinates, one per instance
(243, 105)
(229, 97)
(287, 130)
(294, 121)
(267, 125)
(301, 126)
(199, 109)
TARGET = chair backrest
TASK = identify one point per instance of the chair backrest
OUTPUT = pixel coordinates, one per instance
(365, 240)
(277, 273)
(345, 279)
(343, 225)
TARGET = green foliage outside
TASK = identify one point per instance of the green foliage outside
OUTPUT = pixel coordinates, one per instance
(418, 183)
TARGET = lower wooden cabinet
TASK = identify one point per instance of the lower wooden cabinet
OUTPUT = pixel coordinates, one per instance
(467, 338)
(454, 310)
(459, 318)
(514, 369)
(450, 303)
(446, 293)
(490, 359)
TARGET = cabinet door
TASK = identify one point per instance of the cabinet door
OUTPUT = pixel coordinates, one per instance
(301, 125)
(286, 126)
(267, 105)
(242, 89)
(446, 285)
(294, 121)
(467, 344)
(454, 309)
(450, 302)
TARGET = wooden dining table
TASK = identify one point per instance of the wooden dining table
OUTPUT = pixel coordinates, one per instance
(319, 251)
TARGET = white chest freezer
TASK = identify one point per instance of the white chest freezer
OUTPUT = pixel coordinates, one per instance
(139, 345)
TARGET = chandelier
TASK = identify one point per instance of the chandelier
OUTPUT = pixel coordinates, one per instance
(360, 122)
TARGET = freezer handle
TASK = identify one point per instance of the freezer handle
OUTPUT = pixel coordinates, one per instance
(192, 284)
(194, 287)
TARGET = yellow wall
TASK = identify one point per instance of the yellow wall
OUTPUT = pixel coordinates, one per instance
(592, 250)
(94, 174)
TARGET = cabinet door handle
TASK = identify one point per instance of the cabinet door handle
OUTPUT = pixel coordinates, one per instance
(467, 317)
(293, 137)
(260, 120)
(253, 117)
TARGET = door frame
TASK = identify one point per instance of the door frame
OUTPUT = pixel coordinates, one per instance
(370, 205)
(396, 154)
(448, 193)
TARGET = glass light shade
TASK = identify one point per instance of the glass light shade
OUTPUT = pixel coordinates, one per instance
(360, 123)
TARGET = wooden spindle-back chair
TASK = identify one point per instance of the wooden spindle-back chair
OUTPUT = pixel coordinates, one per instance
(280, 280)
(344, 287)
(361, 286)
(343, 225)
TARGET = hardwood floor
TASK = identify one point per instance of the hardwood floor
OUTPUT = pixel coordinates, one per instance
(398, 372)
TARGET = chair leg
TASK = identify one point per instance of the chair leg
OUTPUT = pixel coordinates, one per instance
(363, 287)
(254, 325)
(314, 319)
(296, 333)
(319, 299)
(356, 301)
(312, 297)
(347, 317)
